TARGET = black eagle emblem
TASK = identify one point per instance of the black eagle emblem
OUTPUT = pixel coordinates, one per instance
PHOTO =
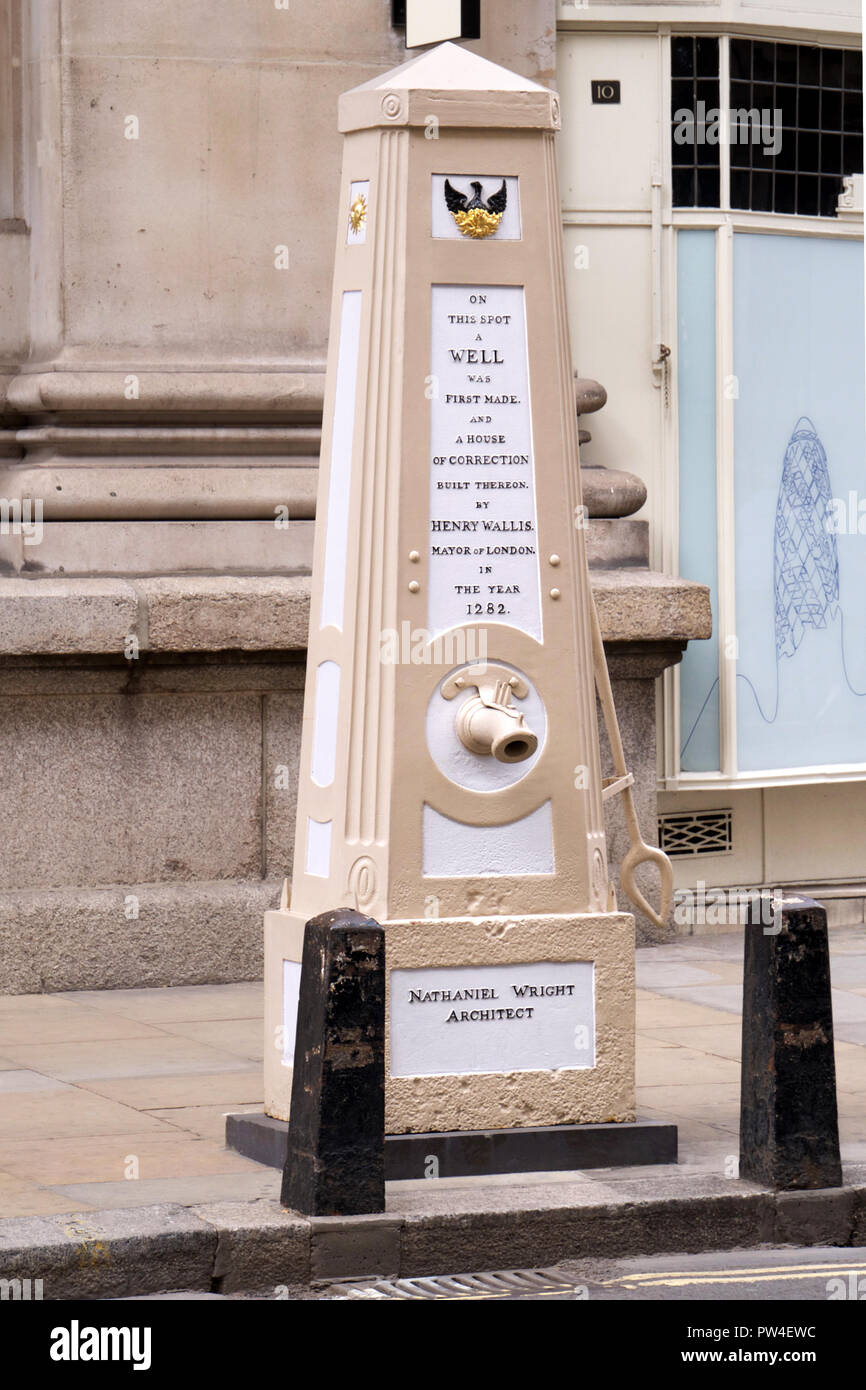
(475, 217)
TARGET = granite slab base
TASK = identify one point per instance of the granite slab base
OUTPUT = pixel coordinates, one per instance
(479, 1153)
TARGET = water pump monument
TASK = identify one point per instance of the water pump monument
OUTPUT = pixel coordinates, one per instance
(450, 784)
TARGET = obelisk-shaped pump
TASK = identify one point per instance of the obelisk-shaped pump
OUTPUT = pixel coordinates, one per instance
(450, 774)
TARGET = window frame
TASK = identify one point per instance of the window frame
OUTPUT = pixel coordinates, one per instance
(725, 222)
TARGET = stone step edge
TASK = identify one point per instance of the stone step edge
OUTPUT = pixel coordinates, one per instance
(229, 1247)
(209, 613)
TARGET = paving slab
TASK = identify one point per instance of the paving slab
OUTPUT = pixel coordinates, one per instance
(245, 1000)
(243, 1084)
(91, 1081)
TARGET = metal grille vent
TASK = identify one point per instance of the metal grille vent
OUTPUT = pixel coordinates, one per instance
(696, 832)
(503, 1283)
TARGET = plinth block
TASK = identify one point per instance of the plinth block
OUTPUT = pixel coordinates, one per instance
(479, 1153)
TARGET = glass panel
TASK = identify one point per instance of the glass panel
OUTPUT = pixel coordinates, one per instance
(696, 393)
(786, 62)
(741, 59)
(682, 56)
(831, 67)
(800, 486)
(809, 66)
(694, 68)
(784, 193)
(707, 57)
(684, 188)
(709, 184)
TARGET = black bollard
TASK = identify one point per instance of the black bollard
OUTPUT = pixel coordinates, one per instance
(789, 1130)
(335, 1165)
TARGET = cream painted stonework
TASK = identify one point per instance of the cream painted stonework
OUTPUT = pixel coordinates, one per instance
(461, 805)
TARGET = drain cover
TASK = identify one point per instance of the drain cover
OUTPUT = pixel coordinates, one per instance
(501, 1283)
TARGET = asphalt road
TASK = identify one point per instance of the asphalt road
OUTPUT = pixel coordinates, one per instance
(812, 1273)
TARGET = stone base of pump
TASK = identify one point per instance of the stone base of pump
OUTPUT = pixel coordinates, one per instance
(483, 1152)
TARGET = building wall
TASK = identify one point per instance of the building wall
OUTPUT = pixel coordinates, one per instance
(704, 434)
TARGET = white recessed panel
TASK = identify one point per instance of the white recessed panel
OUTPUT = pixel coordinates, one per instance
(340, 480)
(483, 541)
(327, 710)
(455, 850)
(493, 1018)
(291, 995)
(318, 847)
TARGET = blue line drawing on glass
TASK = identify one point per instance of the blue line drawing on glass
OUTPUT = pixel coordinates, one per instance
(805, 559)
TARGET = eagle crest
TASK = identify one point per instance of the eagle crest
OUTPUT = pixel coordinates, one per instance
(475, 217)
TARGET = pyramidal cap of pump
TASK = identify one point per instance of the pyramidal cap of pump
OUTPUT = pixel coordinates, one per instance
(458, 88)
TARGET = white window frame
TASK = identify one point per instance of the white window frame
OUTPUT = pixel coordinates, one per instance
(725, 222)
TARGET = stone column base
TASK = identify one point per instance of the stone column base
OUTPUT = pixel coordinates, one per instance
(452, 1073)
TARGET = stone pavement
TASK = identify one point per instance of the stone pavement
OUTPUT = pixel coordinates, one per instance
(116, 1099)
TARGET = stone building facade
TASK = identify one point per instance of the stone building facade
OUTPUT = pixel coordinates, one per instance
(168, 180)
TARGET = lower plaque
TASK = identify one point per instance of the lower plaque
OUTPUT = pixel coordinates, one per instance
(496, 1018)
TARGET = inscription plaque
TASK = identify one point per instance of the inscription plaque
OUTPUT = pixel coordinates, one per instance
(483, 532)
(493, 1018)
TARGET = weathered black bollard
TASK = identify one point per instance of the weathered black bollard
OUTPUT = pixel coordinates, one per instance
(335, 1165)
(789, 1130)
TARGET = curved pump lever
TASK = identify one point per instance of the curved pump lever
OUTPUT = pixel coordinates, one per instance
(640, 852)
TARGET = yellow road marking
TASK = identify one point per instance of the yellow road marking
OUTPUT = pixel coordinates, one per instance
(656, 1274)
(679, 1282)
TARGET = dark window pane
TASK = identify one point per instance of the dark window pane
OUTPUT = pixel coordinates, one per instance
(745, 126)
(807, 152)
(853, 67)
(831, 67)
(708, 188)
(809, 66)
(807, 195)
(707, 57)
(682, 95)
(764, 62)
(830, 190)
(762, 96)
(831, 154)
(786, 62)
(787, 156)
(852, 111)
(807, 108)
(684, 188)
(741, 59)
(852, 154)
(707, 155)
(783, 192)
(762, 191)
(831, 110)
(683, 141)
(739, 188)
(682, 56)
(806, 132)
(786, 100)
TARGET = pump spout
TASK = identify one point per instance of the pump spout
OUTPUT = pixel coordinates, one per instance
(488, 723)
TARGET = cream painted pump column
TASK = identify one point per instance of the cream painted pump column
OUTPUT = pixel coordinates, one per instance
(450, 784)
